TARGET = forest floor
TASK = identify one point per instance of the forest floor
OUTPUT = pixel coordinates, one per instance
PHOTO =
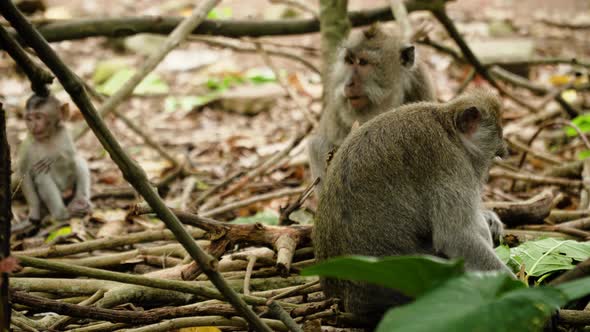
(245, 122)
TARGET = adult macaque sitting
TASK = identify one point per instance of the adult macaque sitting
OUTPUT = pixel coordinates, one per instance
(53, 173)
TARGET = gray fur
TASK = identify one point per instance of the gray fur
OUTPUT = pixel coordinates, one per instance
(406, 183)
(389, 85)
(51, 167)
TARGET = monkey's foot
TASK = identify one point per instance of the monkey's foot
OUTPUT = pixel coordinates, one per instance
(26, 228)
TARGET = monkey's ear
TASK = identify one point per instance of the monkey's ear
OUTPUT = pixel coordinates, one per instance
(407, 56)
(468, 121)
(64, 111)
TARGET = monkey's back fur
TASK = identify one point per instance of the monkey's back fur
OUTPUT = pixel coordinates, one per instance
(388, 182)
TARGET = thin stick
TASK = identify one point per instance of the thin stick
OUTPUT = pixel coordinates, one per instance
(441, 15)
(134, 128)
(252, 200)
(302, 108)
(284, 218)
(239, 48)
(294, 290)
(63, 321)
(38, 76)
(400, 13)
(278, 312)
(174, 39)
(249, 269)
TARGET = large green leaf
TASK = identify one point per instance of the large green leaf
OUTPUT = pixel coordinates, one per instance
(550, 255)
(476, 302)
(576, 289)
(411, 275)
(503, 253)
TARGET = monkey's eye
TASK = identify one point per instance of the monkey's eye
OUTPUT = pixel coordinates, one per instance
(348, 59)
(363, 62)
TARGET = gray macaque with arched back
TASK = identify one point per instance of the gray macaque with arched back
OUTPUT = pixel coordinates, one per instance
(409, 182)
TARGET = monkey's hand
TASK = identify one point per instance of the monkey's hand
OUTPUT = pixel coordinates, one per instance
(495, 225)
(43, 165)
(79, 207)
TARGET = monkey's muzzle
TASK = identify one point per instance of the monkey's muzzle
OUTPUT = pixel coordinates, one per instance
(358, 102)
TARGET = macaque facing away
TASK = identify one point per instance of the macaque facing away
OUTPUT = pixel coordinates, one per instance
(53, 173)
(408, 182)
(375, 71)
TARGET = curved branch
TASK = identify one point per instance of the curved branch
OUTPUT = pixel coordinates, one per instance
(120, 27)
(38, 76)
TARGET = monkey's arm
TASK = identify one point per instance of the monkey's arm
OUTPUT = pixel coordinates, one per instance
(318, 149)
(80, 204)
(462, 238)
(51, 195)
(82, 179)
(31, 197)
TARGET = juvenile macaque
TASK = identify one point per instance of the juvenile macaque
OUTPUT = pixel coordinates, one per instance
(375, 71)
(409, 182)
(53, 173)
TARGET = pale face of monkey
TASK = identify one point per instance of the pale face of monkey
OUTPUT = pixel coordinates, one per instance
(37, 123)
(42, 121)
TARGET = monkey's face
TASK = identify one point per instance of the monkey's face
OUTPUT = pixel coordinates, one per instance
(41, 122)
(360, 70)
(372, 68)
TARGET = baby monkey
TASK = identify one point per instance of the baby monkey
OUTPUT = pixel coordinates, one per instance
(52, 171)
(408, 182)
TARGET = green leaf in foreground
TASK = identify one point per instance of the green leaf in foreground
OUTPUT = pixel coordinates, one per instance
(576, 289)
(476, 302)
(411, 275)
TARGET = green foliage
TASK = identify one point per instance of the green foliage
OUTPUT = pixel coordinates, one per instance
(151, 84)
(66, 230)
(476, 302)
(105, 69)
(225, 82)
(187, 103)
(217, 85)
(582, 121)
(549, 255)
(261, 76)
(253, 76)
(503, 252)
(220, 13)
(583, 154)
(267, 217)
(449, 299)
(411, 275)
